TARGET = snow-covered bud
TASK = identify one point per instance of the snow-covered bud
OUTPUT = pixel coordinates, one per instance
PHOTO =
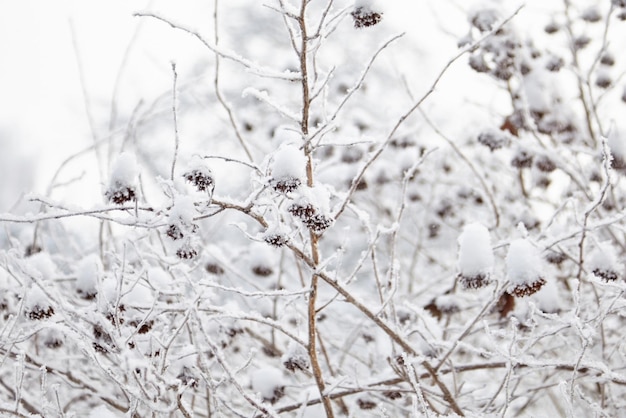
(37, 305)
(123, 181)
(617, 145)
(87, 273)
(524, 268)
(295, 358)
(200, 176)
(288, 169)
(268, 382)
(365, 14)
(475, 256)
(484, 19)
(604, 263)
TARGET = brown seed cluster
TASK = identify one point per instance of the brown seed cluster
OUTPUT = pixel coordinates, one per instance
(606, 274)
(528, 288)
(121, 193)
(476, 281)
(286, 185)
(364, 17)
(39, 312)
(202, 179)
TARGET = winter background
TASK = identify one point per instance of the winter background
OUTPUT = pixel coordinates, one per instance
(456, 248)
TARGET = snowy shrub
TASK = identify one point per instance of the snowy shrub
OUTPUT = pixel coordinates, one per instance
(327, 220)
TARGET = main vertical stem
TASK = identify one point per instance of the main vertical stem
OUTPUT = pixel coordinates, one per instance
(304, 127)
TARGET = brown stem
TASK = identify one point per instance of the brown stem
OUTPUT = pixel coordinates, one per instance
(304, 126)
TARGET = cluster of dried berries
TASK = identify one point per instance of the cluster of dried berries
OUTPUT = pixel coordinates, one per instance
(262, 270)
(276, 240)
(39, 312)
(476, 281)
(545, 164)
(145, 326)
(606, 275)
(121, 193)
(522, 159)
(528, 288)
(365, 17)
(186, 252)
(310, 217)
(285, 185)
(365, 404)
(499, 55)
(296, 362)
(493, 140)
(201, 178)
(103, 342)
(555, 258)
(214, 268)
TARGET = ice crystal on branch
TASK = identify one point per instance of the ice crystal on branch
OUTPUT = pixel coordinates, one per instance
(475, 259)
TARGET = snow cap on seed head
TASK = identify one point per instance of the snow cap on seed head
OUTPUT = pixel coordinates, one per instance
(475, 252)
(524, 268)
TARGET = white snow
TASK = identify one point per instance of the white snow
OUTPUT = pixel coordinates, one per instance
(87, 273)
(184, 210)
(266, 380)
(604, 258)
(616, 142)
(102, 412)
(125, 170)
(289, 162)
(475, 252)
(523, 262)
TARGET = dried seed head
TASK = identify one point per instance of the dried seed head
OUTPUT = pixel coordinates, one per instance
(477, 63)
(285, 185)
(603, 80)
(523, 159)
(276, 240)
(556, 258)
(262, 271)
(318, 223)
(606, 275)
(38, 312)
(591, 15)
(365, 404)
(365, 17)
(186, 252)
(202, 178)
(214, 268)
(551, 28)
(302, 211)
(581, 42)
(120, 193)
(555, 64)
(545, 164)
(528, 288)
(474, 282)
(484, 20)
(607, 59)
(174, 232)
(493, 140)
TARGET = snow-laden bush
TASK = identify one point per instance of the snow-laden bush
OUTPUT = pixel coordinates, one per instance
(298, 228)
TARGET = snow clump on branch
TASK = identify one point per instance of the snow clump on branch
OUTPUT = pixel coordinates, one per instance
(123, 180)
(475, 256)
(523, 266)
(287, 169)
